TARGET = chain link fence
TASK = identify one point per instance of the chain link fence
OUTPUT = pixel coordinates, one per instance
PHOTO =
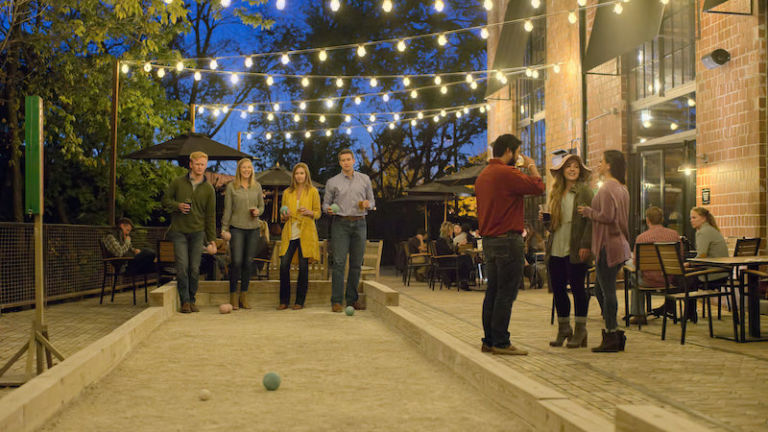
(72, 258)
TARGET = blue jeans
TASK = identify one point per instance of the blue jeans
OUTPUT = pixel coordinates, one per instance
(347, 238)
(242, 249)
(188, 250)
(285, 274)
(504, 267)
(606, 290)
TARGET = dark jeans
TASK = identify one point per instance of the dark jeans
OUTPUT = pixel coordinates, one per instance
(504, 267)
(285, 274)
(606, 290)
(242, 249)
(561, 273)
(347, 238)
(142, 263)
(188, 249)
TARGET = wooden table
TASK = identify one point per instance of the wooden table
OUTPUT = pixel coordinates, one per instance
(753, 302)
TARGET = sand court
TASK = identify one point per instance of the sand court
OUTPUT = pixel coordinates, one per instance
(338, 372)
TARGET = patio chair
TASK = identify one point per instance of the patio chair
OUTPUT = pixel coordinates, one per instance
(113, 267)
(415, 261)
(673, 269)
(646, 259)
(166, 260)
(443, 265)
(262, 262)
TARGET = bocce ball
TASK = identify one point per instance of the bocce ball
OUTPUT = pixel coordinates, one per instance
(204, 395)
(349, 311)
(271, 381)
(225, 308)
(335, 207)
(284, 210)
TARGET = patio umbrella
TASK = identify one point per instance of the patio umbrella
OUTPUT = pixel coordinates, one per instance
(180, 147)
(465, 176)
(277, 177)
(435, 192)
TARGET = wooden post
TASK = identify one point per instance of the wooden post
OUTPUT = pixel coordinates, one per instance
(192, 116)
(239, 140)
(445, 210)
(113, 143)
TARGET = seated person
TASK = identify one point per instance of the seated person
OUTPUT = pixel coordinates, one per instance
(533, 270)
(216, 266)
(416, 245)
(656, 232)
(444, 246)
(118, 244)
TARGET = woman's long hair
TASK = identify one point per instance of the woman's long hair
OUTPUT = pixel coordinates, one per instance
(239, 178)
(618, 165)
(307, 181)
(446, 230)
(558, 191)
(706, 214)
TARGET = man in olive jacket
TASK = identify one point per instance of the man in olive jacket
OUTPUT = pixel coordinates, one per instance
(191, 200)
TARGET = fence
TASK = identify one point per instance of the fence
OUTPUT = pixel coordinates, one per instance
(72, 259)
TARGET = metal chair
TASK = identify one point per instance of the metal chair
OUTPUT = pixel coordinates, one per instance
(166, 260)
(114, 266)
(415, 261)
(264, 259)
(442, 265)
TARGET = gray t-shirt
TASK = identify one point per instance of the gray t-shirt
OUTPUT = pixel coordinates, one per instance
(711, 243)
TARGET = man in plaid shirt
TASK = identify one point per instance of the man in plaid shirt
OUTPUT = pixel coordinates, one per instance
(118, 244)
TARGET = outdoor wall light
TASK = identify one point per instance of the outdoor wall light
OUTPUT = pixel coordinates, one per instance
(716, 58)
(688, 169)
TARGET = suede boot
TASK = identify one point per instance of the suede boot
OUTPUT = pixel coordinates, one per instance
(622, 339)
(244, 300)
(579, 338)
(564, 331)
(610, 343)
(233, 300)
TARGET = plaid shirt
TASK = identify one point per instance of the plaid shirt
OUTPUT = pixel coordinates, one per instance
(117, 247)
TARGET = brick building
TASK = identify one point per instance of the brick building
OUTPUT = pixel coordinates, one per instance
(693, 135)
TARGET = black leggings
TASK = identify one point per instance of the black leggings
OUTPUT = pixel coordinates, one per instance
(561, 273)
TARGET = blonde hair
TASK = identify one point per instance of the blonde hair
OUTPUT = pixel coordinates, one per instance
(706, 214)
(446, 230)
(197, 155)
(558, 190)
(239, 178)
(307, 181)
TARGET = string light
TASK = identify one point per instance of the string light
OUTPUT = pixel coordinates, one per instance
(284, 59)
(213, 65)
(535, 3)
(305, 82)
(270, 80)
(296, 118)
(387, 6)
(198, 76)
(528, 26)
(328, 132)
(160, 72)
(268, 136)
(243, 115)
(250, 108)
(414, 94)
(391, 126)
(307, 134)
(618, 8)
(488, 4)
(396, 117)
(556, 68)
(385, 97)
(280, 5)
(482, 110)
(572, 18)
(439, 5)
(270, 117)
(303, 106)
(216, 112)
(581, 3)
(329, 103)
(372, 118)
(125, 68)
(664, 2)
(147, 67)
(438, 80)
(420, 115)
(535, 74)
(484, 33)
(473, 85)
(287, 134)
(339, 82)
(249, 136)
(200, 110)
(226, 3)
(225, 109)
(335, 5)
(234, 78)
(322, 119)
(406, 81)
(374, 82)
(276, 107)
(442, 40)
(369, 128)
(248, 62)
(179, 66)
(444, 89)
(469, 78)
(401, 46)
(361, 51)
(347, 118)
(358, 100)
(322, 55)
(528, 72)
(349, 131)
(436, 118)
(442, 113)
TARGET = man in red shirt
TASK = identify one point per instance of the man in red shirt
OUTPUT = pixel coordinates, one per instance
(500, 190)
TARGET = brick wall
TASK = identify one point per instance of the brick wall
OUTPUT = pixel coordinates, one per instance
(731, 121)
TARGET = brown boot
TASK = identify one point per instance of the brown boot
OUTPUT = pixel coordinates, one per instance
(564, 331)
(233, 300)
(244, 300)
(611, 342)
(579, 338)
(185, 308)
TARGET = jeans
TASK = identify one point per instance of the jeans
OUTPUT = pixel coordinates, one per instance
(243, 246)
(347, 238)
(504, 268)
(561, 273)
(188, 250)
(285, 274)
(637, 300)
(142, 263)
(606, 290)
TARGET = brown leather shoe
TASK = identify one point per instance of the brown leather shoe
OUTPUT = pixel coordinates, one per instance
(509, 350)
(193, 307)
(185, 308)
(282, 306)
(336, 307)
(358, 306)
(297, 307)
(486, 348)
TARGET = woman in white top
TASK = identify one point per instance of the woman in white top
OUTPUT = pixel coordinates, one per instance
(243, 203)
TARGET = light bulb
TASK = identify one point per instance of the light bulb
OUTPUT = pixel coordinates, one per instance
(335, 5)
(276, 107)
(442, 40)
(664, 2)
(280, 5)
(466, 110)
(242, 114)
(303, 106)
(347, 118)
(328, 103)
(305, 82)
(307, 134)
(147, 67)
(673, 126)
(387, 6)
(438, 80)
(385, 97)
(528, 72)
(361, 51)
(374, 82)
(468, 78)
(442, 113)
(339, 82)
(124, 68)
(248, 135)
(473, 85)
(691, 102)
(420, 115)
(322, 118)
(270, 117)
(581, 3)
(396, 117)
(482, 110)
(296, 118)
(499, 75)
(270, 80)
(225, 109)
(436, 118)
(198, 76)
(349, 131)
(179, 66)
(369, 128)
(250, 108)
(572, 18)
(214, 64)
(439, 5)
(535, 3)
(284, 59)
(556, 68)
(226, 3)
(535, 74)
(160, 72)
(248, 62)
(458, 114)
(401, 46)
(358, 100)
(200, 109)
(503, 80)
(216, 112)
(406, 81)
(528, 26)
(168, 1)
(372, 118)
(484, 33)
(488, 4)
(414, 94)
(618, 9)
(391, 126)
(287, 135)
(234, 78)
(413, 122)
(322, 55)
(268, 136)
(444, 89)
(327, 132)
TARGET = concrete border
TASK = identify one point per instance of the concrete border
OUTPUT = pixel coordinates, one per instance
(543, 408)
(34, 403)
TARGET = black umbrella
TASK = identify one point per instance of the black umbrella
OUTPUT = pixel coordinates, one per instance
(465, 176)
(180, 147)
(435, 192)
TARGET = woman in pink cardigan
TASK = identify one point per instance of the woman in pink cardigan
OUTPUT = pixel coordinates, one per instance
(610, 242)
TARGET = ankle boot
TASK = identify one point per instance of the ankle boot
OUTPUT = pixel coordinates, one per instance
(622, 339)
(244, 300)
(579, 338)
(564, 331)
(610, 342)
(233, 300)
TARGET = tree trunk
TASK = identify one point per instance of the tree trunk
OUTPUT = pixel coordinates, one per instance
(14, 126)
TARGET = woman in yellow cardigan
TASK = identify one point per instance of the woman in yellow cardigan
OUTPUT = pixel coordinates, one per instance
(300, 208)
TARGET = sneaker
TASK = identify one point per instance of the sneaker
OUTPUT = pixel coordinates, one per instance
(336, 307)
(193, 307)
(185, 308)
(508, 350)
